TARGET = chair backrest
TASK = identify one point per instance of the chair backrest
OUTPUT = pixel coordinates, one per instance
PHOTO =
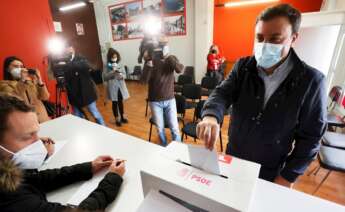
(189, 71)
(209, 82)
(335, 93)
(180, 104)
(136, 70)
(184, 79)
(198, 109)
(191, 91)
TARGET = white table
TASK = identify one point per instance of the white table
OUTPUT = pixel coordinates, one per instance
(87, 140)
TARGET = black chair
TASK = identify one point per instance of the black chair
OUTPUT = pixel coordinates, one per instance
(182, 80)
(189, 71)
(137, 72)
(192, 93)
(180, 109)
(127, 71)
(332, 159)
(180, 106)
(189, 129)
(207, 85)
(147, 106)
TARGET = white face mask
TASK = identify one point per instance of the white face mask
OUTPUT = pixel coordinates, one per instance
(268, 54)
(31, 157)
(16, 73)
(165, 50)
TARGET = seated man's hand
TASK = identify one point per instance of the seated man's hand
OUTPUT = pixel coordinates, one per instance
(49, 144)
(101, 162)
(118, 167)
(208, 130)
(281, 181)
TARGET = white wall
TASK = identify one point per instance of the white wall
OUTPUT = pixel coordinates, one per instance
(312, 47)
(181, 46)
(328, 5)
(204, 10)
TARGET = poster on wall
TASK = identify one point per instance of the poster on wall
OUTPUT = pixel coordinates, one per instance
(133, 10)
(173, 6)
(119, 31)
(80, 29)
(152, 7)
(128, 18)
(174, 25)
(117, 14)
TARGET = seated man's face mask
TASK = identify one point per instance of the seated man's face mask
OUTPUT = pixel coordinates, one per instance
(30, 157)
(268, 54)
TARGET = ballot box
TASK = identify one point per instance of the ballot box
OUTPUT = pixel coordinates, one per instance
(172, 177)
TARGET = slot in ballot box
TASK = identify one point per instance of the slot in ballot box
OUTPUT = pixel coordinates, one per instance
(170, 173)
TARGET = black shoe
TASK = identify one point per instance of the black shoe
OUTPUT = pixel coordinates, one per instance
(118, 123)
(124, 120)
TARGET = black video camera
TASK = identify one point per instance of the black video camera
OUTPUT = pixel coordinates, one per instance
(58, 66)
(154, 49)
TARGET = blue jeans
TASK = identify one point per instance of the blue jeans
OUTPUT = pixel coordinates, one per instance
(165, 111)
(93, 110)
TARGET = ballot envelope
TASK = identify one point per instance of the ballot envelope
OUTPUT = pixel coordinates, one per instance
(170, 177)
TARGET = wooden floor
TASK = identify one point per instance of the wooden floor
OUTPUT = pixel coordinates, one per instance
(333, 189)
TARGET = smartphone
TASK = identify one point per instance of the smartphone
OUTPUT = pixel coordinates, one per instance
(32, 71)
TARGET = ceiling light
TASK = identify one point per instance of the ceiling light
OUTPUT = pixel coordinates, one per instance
(247, 2)
(72, 6)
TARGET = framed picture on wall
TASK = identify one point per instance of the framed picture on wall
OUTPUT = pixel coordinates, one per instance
(133, 10)
(152, 6)
(128, 18)
(117, 14)
(119, 31)
(80, 29)
(173, 6)
(174, 25)
(135, 30)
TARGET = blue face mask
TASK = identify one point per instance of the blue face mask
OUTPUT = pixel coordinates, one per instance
(268, 54)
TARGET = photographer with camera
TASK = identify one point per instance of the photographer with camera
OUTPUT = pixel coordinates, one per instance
(159, 71)
(114, 77)
(81, 90)
(26, 84)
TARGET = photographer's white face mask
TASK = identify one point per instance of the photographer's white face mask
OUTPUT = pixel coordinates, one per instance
(16, 73)
(31, 157)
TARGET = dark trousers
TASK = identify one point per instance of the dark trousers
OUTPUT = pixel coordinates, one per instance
(117, 106)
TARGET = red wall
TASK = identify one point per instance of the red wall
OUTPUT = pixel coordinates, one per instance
(26, 25)
(234, 27)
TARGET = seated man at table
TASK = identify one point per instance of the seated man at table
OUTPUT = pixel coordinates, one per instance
(22, 186)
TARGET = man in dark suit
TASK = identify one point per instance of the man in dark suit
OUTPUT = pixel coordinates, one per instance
(278, 102)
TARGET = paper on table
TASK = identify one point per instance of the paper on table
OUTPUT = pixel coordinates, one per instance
(85, 190)
(204, 159)
(155, 201)
(57, 147)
